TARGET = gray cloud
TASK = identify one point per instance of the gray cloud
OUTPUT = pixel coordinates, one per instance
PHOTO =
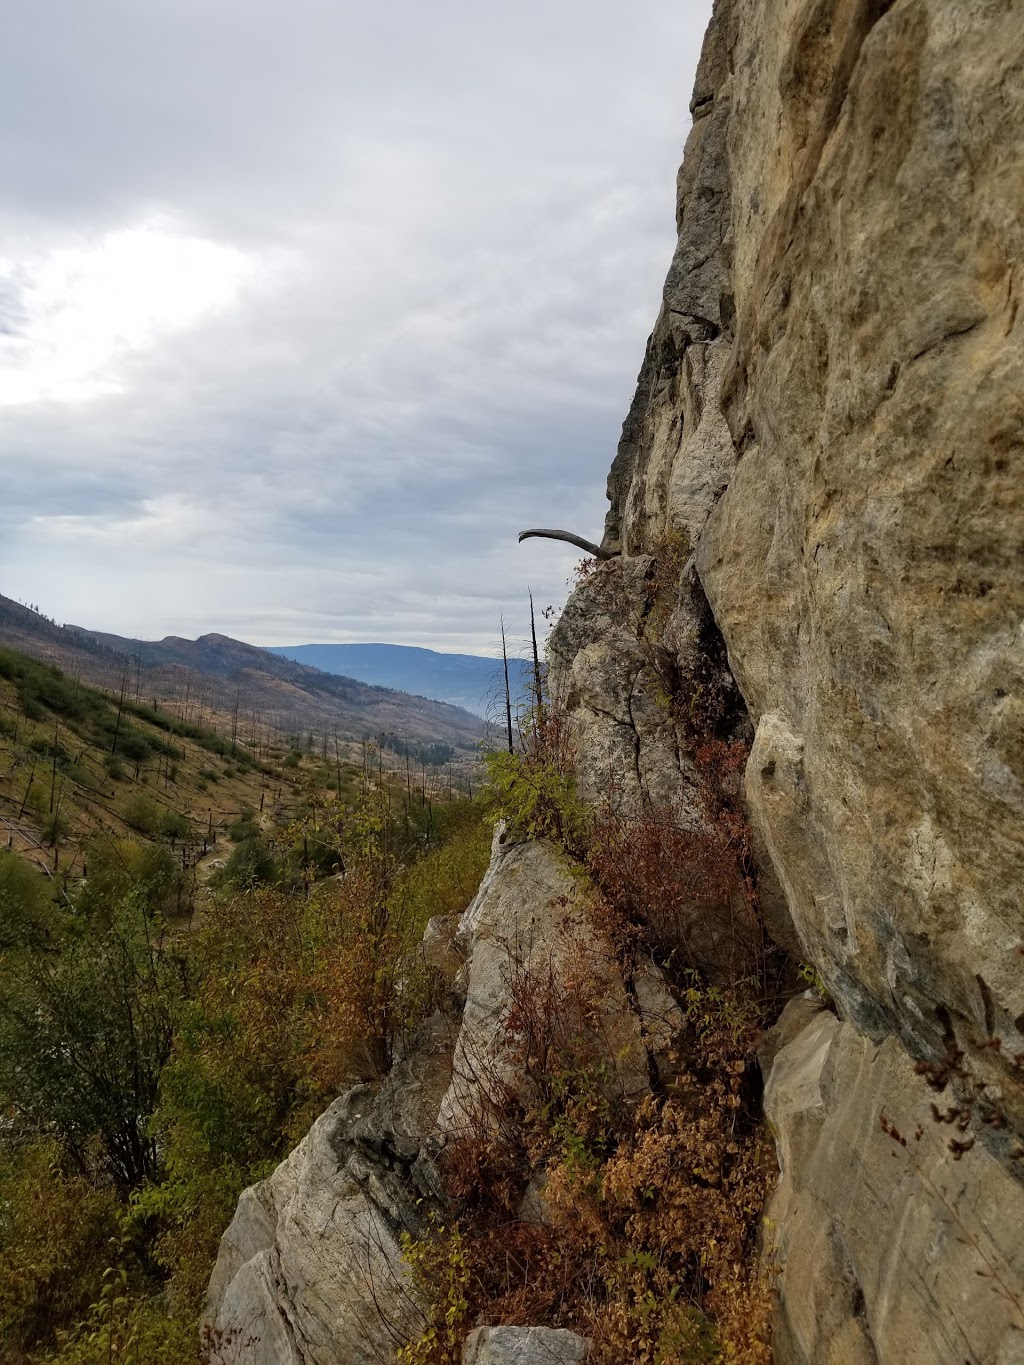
(449, 225)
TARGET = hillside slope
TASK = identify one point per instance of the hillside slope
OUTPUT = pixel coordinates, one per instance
(76, 762)
(216, 676)
(471, 681)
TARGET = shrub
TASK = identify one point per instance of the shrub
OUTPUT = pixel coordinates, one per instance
(444, 881)
(85, 1025)
(538, 799)
(245, 827)
(251, 864)
(133, 746)
(143, 814)
(55, 828)
(174, 825)
(54, 1226)
(131, 1327)
(28, 916)
(441, 1275)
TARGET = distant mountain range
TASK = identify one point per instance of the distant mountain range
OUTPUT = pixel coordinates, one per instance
(219, 680)
(472, 681)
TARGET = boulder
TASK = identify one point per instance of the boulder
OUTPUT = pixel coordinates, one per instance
(530, 937)
(523, 1346)
(310, 1270)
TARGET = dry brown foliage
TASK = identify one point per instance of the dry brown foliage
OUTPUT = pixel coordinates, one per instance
(633, 1223)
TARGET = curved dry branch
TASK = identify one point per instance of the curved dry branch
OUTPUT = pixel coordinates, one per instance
(588, 545)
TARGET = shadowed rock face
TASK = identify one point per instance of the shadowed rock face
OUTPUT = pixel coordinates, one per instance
(829, 428)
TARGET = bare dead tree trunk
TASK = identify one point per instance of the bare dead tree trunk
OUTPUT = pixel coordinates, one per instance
(120, 706)
(508, 690)
(538, 685)
(53, 775)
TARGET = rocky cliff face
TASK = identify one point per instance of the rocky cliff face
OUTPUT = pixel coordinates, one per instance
(829, 420)
(818, 513)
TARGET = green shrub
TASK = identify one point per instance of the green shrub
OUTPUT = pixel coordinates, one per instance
(251, 864)
(245, 827)
(131, 1327)
(85, 1026)
(54, 1228)
(143, 814)
(175, 825)
(538, 799)
(133, 746)
(55, 828)
(28, 915)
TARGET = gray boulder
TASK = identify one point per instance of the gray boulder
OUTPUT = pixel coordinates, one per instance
(523, 1346)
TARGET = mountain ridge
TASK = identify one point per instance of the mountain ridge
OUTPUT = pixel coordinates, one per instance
(216, 674)
(472, 681)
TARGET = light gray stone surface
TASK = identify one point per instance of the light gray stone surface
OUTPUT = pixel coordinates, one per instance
(888, 1253)
(523, 1346)
(529, 926)
(310, 1271)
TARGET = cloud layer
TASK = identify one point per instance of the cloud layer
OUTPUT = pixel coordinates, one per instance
(306, 310)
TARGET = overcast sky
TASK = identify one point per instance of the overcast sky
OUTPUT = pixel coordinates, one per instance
(307, 308)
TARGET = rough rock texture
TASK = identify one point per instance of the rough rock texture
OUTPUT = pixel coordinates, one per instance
(829, 415)
(310, 1270)
(526, 926)
(523, 1346)
(826, 448)
(902, 1254)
